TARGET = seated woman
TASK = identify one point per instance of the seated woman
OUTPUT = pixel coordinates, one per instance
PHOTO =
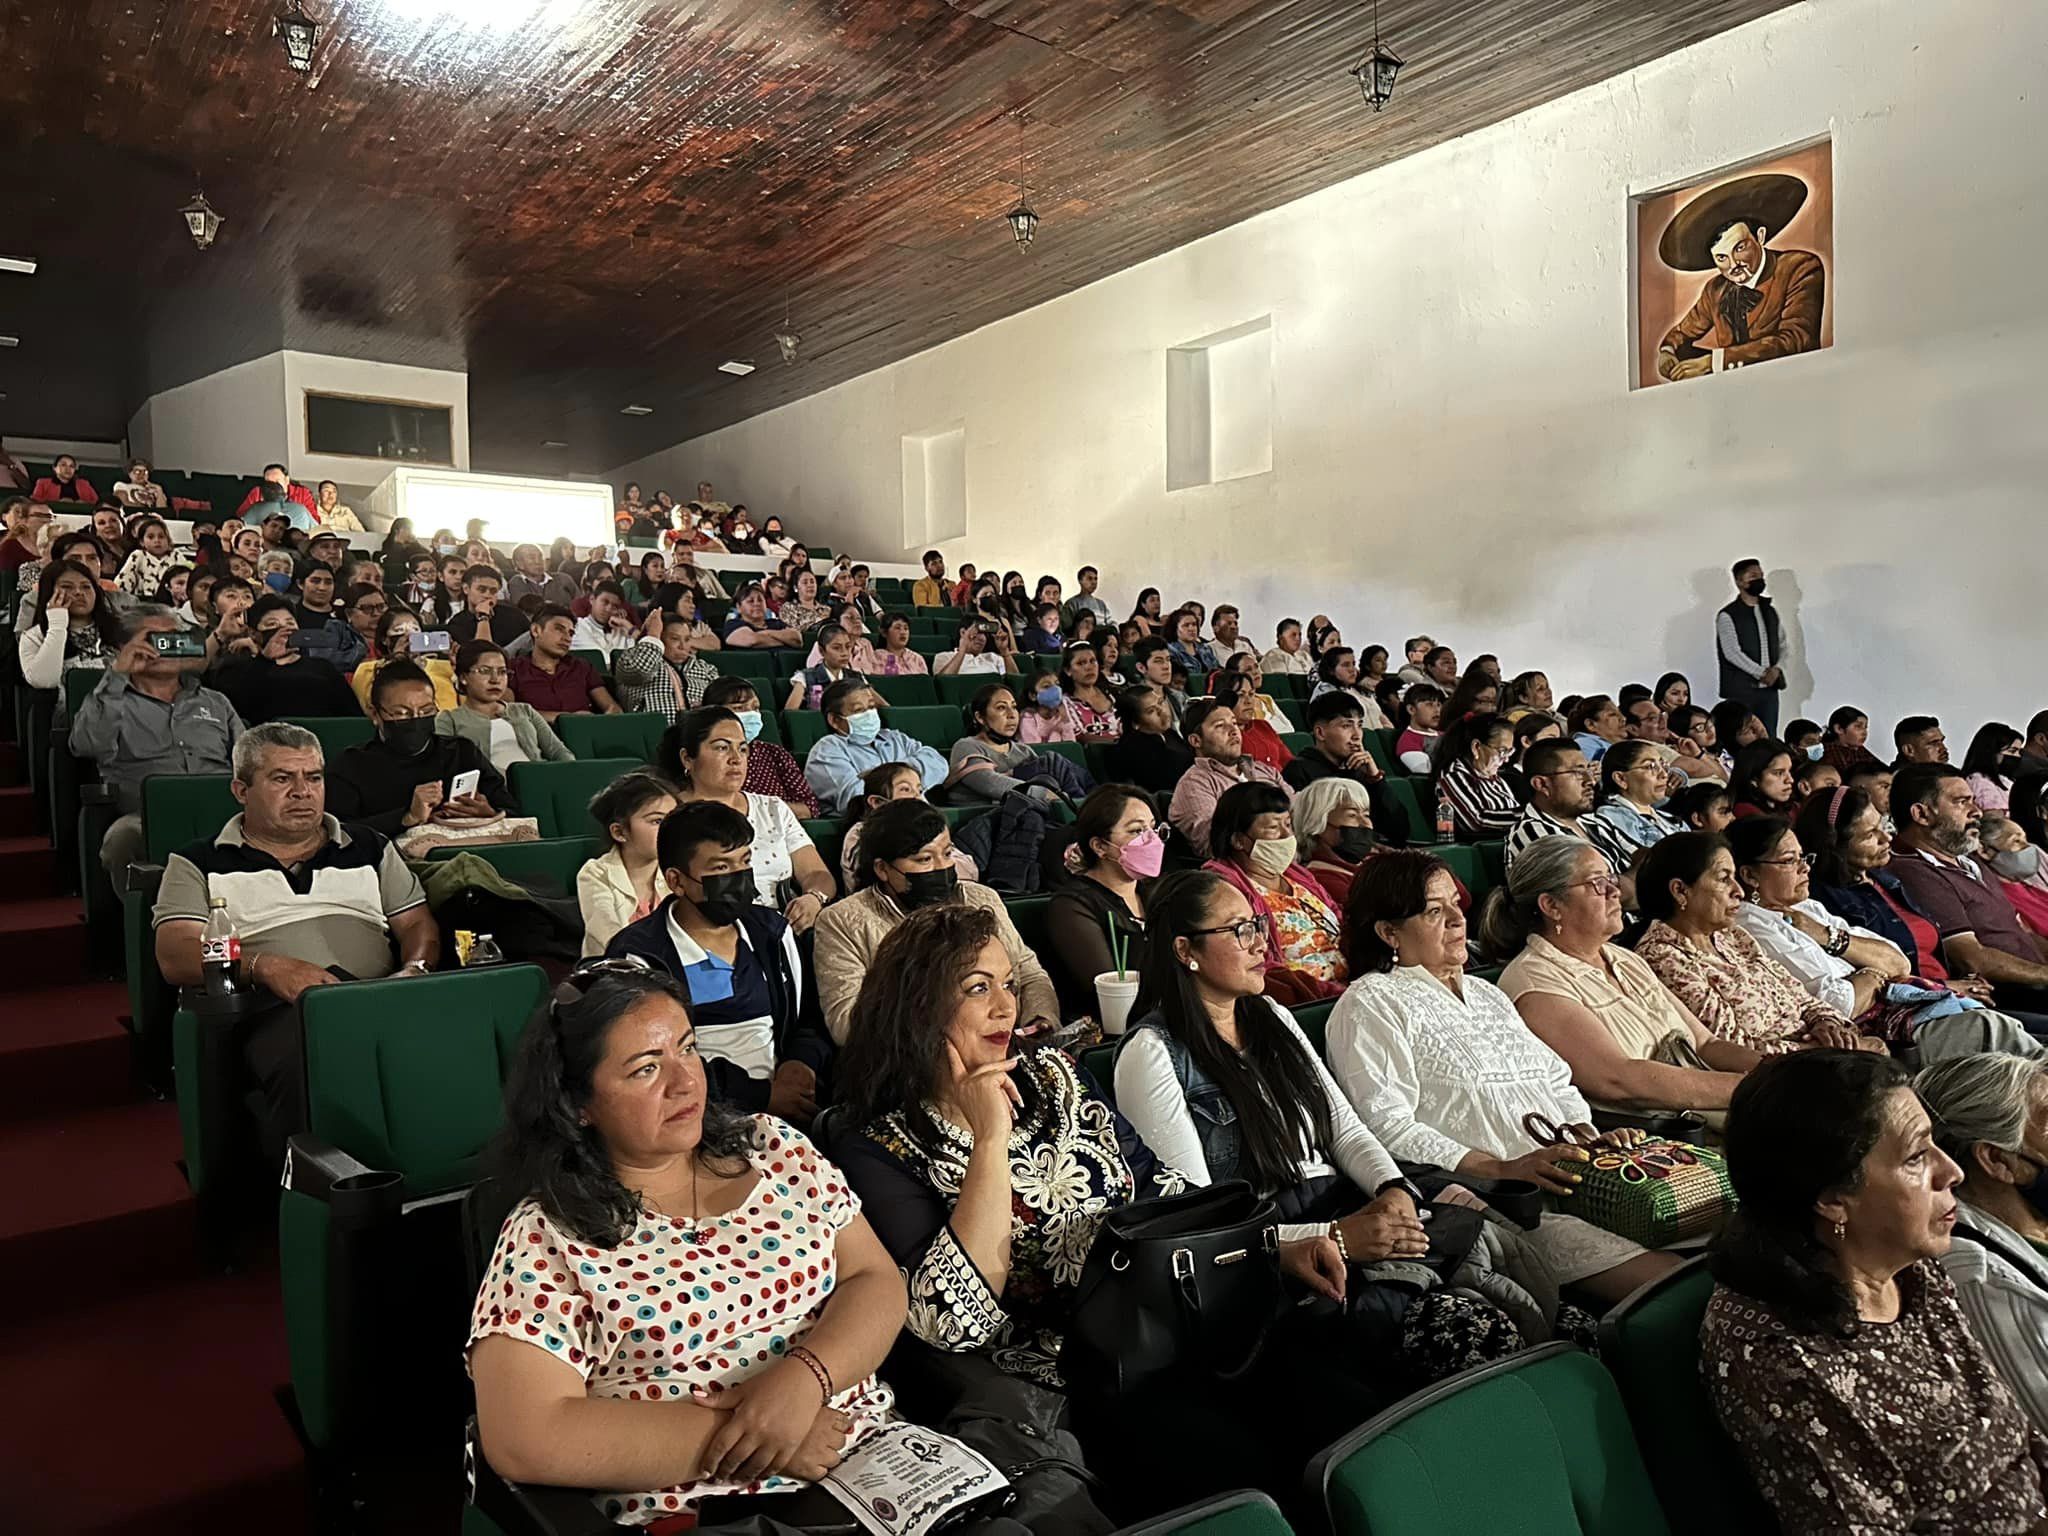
(1633, 782)
(2018, 867)
(1334, 833)
(1990, 1115)
(1422, 708)
(1673, 691)
(1082, 676)
(1991, 764)
(1251, 845)
(1629, 1042)
(907, 863)
(633, 1167)
(896, 658)
(1150, 752)
(991, 762)
(266, 678)
(394, 639)
(72, 625)
(1760, 782)
(1264, 704)
(1443, 1071)
(1845, 741)
(1735, 726)
(1186, 645)
(1692, 739)
(1851, 847)
(1468, 761)
(804, 612)
(878, 786)
(486, 715)
(1834, 1350)
(1337, 671)
(623, 884)
(1687, 888)
(771, 770)
(1477, 693)
(834, 647)
(1261, 742)
(1861, 975)
(1118, 850)
(1220, 1081)
(712, 750)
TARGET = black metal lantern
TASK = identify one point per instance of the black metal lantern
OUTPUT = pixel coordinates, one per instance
(201, 220)
(1023, 222)
(787, 342)
(1376, 71)
(300, 33)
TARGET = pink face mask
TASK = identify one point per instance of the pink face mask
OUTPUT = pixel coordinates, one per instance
(1143, 856)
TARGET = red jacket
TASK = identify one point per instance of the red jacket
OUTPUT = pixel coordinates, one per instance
(48, 490)
(297, 493)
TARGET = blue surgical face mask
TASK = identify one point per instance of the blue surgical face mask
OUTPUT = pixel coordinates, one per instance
(865, 726)
(1050, 696)
(750, 722)
(1814, 752)
(278, 581)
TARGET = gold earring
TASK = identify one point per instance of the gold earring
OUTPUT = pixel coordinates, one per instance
(1840, 1229)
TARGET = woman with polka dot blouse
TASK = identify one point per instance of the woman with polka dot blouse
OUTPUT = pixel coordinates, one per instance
(689, 1308)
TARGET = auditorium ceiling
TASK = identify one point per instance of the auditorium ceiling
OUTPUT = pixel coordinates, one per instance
(591, 204)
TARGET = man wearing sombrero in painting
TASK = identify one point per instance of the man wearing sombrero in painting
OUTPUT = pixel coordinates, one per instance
(1762, 303)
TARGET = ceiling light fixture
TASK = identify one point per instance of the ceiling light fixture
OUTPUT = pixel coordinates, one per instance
(200, 220)
(1376, 71)
(637, 410)
(10, 341)
(1022, 221)
(553, 443)
(25, 265)
(786, 339)
(738, 367)
(299, 33)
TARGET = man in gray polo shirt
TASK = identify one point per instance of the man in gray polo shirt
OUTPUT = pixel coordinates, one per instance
(313, 903)
(149, 715)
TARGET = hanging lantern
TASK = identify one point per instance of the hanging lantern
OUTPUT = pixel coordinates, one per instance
(1376, 71)
(786, 342)
(299, 33)
(1023, 222)
(201, 220)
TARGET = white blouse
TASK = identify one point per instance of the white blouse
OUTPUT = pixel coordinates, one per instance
(778, 834)
(1150, 1097)
(1821, 974)
(1436, 1077)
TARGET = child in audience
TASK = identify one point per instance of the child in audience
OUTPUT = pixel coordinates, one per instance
(618, 887)
(1424, 705)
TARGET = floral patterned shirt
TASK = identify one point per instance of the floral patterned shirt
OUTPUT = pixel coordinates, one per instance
(671, 1311)
(1901, 1426)
(1740, 993)
(1073, 1160)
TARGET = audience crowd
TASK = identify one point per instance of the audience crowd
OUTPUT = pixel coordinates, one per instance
(1688, 913)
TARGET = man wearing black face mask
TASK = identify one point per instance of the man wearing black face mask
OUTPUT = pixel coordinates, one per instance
(1751, 646)
(752, 1000)
(402, 778)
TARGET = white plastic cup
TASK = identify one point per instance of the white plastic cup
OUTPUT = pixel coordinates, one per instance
(1115, 991)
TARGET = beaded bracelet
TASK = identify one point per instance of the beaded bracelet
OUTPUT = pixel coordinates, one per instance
(816, 1367)
(1337, 1237)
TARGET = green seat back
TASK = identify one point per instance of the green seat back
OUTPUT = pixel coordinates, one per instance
(1029, 914)
(958, 692)
(78, 682)
(1099, 1062)
(740, 661)
(1538, 1444)
(915, 689)
(1495, 856)
(179, 809)
(1651, 1342)
(560, 793)
(597, 661)
(936, 725)
(1297, 742)
(338, 733)
(1421, 828)
(803, 729)
(557, 859)
(1244, 1513)
(1314, 1019)
(829, 833)
(630, 736)
(1072, 751)
(1467, 865)
(1380, 746)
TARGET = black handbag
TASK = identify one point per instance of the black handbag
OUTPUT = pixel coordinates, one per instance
(1658, 1124)
(1187, 1283)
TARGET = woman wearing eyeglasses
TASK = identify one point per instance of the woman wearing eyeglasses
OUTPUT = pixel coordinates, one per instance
(1860, 975)
(644, 1196)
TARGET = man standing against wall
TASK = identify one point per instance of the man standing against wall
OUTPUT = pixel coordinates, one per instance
(1751, 646)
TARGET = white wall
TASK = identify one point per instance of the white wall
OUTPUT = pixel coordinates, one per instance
(241, 418)
(1456, 448)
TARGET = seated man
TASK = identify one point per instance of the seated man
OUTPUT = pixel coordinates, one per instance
(1934, 856)
(312, 902)
(1919, 739)
(402, 778)
(552, 681)
(906, 862)
(748, 625)
(280, 496)
(1228, 642)
(754, 1007)
(664, 676)
(149, 715)
(983, 647)
(1211, 729)
(483, 616)
(1150, 661)
(1336, 720)
(269, 677)
(1560, 795)
(324, 629)
(1644, 719)
(930, 590)
(856, 741)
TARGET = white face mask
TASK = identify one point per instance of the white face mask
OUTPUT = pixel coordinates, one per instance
(1271, 857)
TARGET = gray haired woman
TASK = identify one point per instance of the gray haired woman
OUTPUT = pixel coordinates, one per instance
(1333, 832)
(1990, 1114)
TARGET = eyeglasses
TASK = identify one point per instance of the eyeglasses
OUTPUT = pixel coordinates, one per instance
(1599, 885)
(1248, 932)
(1586, 771)
(1787, 860)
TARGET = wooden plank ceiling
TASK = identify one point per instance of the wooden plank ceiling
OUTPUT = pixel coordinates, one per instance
(592, 203)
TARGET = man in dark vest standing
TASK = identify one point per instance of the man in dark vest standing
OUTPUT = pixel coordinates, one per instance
(1751, 646)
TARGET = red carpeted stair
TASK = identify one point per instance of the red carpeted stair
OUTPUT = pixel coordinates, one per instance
(140, 1383)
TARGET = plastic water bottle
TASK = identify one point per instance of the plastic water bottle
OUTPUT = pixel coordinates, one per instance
(220, 950)
(1446, 821)
(483, 950)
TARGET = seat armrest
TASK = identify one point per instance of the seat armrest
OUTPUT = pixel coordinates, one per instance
(519, 1510)
(353, 1189)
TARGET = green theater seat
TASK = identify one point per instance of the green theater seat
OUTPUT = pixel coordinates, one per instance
(177, 810)
(555, 859)
(337, 733)
(597, 661)
(802, 729)
(938, 726)
(1421, 828)
(1538, 1444)
(560, 793)
(1245, 1513)
(914, 689)
(405, 1083)
(630, 736)
(1651, 1342)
